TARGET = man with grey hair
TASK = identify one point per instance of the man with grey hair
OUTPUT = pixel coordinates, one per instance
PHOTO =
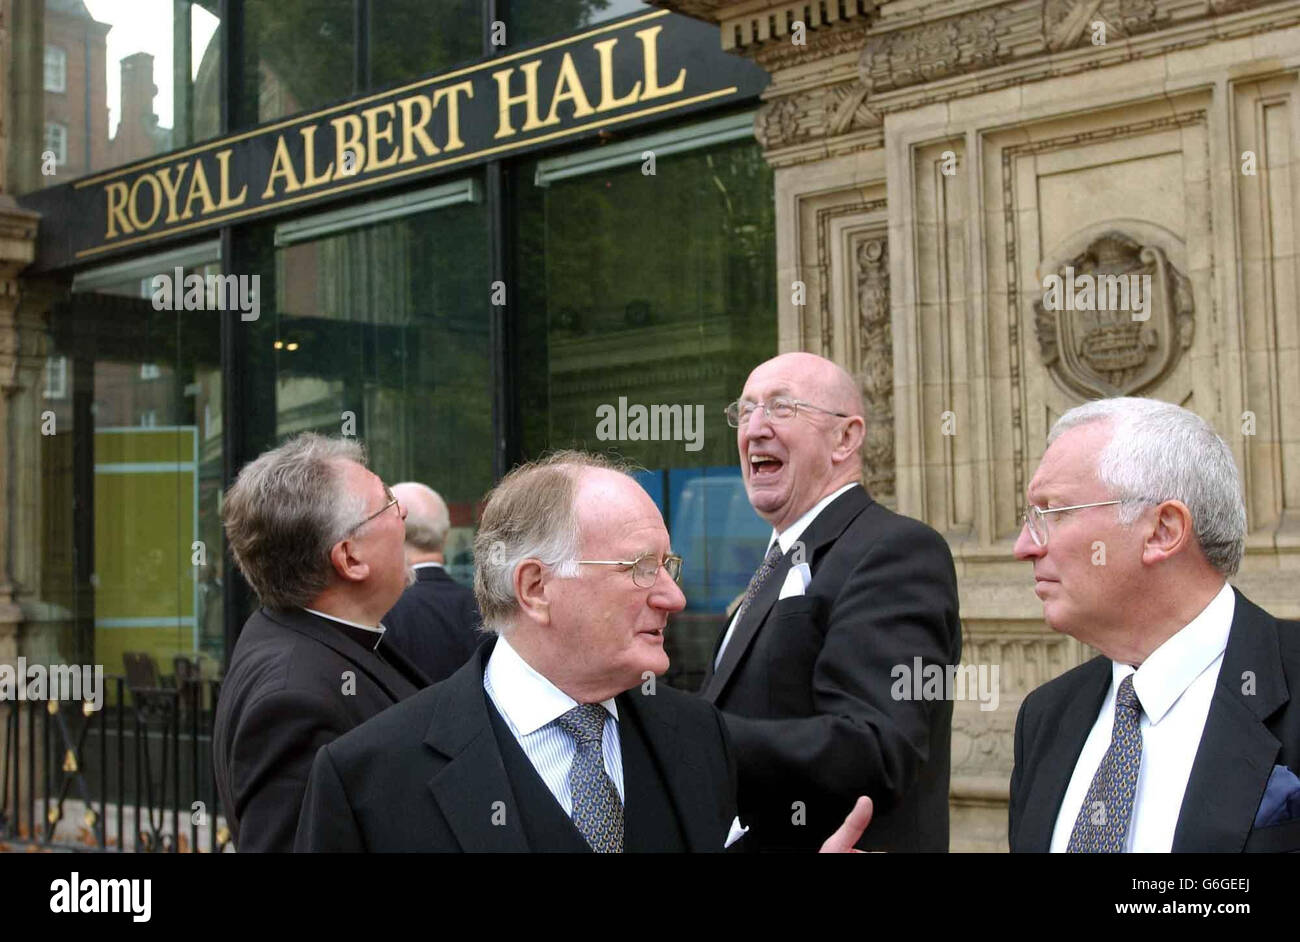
(319, 538)
(1182, 735)
(555, 736)
(435, 622)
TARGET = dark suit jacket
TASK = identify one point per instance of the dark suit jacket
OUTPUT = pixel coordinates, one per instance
(1246, 734)
(283, 697)
(435, 623)
(805, 685)
(429, 775)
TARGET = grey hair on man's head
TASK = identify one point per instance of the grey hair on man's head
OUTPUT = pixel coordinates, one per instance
(531, 514)
(285, 511)
(426, 531)
(1159, 451)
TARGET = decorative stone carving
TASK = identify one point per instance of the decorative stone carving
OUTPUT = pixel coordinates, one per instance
(931, 51)
(1114, 319)
(825, 112)
(1068, 23)
(778, 123)
(876, 373)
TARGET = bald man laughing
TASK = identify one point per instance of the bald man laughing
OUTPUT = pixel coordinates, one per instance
(435, 622)
(850, 594)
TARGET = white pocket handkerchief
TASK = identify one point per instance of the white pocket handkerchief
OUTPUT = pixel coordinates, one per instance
(796, 581)
(736, 833)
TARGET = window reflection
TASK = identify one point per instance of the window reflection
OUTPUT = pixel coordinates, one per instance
(128, 476)
(118, 80)
(655, 291)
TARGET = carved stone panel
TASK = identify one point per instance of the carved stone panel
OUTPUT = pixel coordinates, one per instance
(1114, 320)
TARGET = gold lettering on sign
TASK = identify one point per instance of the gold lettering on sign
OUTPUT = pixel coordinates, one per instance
(650, 60)
(608, 102)
(348, 142)
(115, 194)
(310, 177)
(172, 189)
(568, 87)
(507, 101)
(227, 201)
(413, 129)
(133, 207)
(374, 135)
(199, 190)
(453, 111)
(281, 169)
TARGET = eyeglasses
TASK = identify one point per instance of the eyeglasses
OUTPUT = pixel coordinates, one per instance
(779, 408)
(1036, 517)
(645, 568)
(391, 501)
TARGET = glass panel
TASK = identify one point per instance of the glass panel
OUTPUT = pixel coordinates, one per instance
(298, 56)
(412, 38)
(129, 480)
(646, 301)
(382, 332)
(124, 79)
(533, 22)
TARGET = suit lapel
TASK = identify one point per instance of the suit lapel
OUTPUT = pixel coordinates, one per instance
(1056, 766)
(676, 760)
(824, 530)
(388, 678)
(474, 779)
(1237, 751)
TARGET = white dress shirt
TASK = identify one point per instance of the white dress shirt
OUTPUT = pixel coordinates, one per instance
(530, 704)
(787, 540)
(427, 565)
(1174, 686)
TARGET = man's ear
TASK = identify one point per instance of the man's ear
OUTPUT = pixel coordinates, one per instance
(346, 565)
(1170, 533)
(850, 439)
(531, 579)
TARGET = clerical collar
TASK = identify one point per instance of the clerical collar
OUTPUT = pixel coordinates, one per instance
(364, 635)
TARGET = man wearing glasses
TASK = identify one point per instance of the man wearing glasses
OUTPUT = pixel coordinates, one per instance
(319, 538)
(555, 736)
(848, 594)
(1184, 734)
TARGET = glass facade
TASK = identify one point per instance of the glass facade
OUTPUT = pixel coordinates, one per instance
(101, 83)
(129, 482)
(631, 285)
(655, 291)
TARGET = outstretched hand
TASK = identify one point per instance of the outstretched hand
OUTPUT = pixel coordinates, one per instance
(842, 841)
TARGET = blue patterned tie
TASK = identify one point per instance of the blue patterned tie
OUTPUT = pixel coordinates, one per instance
(769, 563)
(1102, 825)
(597, 810)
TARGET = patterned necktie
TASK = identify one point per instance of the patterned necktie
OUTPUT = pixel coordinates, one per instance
(597, 810)
(769, 563)
(1102, 825)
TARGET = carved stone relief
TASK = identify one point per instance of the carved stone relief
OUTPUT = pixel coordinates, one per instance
(1114, 319)
(876, 367)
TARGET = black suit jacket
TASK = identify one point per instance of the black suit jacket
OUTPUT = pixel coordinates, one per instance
(805, 685)
(429, 774)
(435, 623)
(1246, 734)
(283, 697)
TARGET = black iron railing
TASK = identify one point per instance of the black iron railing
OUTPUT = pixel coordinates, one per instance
(138, 770)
